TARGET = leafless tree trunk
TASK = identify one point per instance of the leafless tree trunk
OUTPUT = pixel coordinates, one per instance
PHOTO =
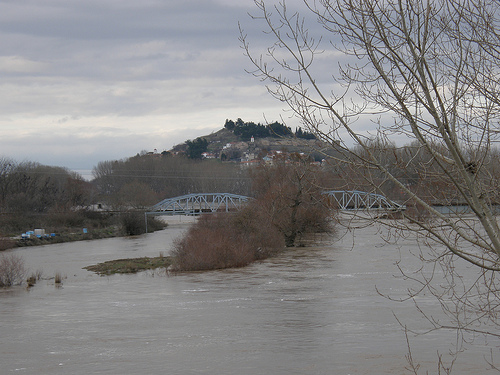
(425, 72)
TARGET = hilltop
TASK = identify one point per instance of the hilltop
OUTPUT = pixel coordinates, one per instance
(240, 141)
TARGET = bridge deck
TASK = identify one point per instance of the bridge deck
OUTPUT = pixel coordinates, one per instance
(195, 204)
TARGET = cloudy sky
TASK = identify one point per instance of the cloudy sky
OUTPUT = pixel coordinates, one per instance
(89, 80)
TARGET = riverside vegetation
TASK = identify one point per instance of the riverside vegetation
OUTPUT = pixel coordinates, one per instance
(288, 204)
(62, 202)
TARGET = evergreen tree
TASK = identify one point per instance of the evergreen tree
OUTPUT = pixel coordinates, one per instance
(196, 148)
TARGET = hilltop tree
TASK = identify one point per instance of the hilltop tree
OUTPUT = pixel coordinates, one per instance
(423, 71)
(196, 148)
(229, 125)
(279, 130)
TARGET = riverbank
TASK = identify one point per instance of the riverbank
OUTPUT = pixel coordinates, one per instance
(7, 243)
(71, 234)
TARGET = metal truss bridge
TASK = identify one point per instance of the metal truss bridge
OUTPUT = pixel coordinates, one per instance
(196, 204)
(355, 200)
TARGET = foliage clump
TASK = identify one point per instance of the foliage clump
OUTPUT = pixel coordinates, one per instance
(226, 240)
(196, 148)
(246, 130)
(288, 204)
(290, 195)
(12, 270)
(133, 223)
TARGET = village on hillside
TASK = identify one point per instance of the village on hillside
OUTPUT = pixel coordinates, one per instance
(250, 143)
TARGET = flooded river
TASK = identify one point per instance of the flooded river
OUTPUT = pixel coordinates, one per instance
(312, 310)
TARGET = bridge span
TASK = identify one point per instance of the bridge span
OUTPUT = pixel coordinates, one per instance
(195, 204)
(355, 200)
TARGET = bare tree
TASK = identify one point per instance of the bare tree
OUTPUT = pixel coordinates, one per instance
(289, 194)
(135, 195)
(12, 270)
(6, 167)
(423, 72)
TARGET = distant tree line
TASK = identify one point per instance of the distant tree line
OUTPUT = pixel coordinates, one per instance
(145, 179)
(33, 195)
(416, 168)
(29, 189)
(247, 130)
(35, 188)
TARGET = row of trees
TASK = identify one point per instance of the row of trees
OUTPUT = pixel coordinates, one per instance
(32, 187)
(415, 169)
(247, 130)
(38, 196)
(143, 180)
(60, 201)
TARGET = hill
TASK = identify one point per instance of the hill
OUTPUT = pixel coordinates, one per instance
(238, 143)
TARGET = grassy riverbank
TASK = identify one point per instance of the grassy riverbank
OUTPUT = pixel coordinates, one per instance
(132, 265)
(76, 227)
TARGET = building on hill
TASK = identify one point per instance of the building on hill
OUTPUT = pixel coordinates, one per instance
(208, 155)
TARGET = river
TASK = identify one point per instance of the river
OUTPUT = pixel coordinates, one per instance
(311, 310)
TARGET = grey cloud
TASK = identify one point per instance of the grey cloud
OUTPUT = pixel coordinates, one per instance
(86, 76)
(109, 40)
(118, 20)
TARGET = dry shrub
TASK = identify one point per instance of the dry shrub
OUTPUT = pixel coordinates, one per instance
(133, 223)
(226, 241)
(71, 219)
(31, 281)
(12, 270)
(7, 243)
(254, 226)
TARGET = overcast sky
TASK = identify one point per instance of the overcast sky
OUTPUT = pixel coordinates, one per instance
(89, 80)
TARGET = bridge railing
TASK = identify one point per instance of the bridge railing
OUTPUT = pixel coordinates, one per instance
(360, 200)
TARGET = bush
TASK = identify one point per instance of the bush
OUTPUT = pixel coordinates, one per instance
(134, 223)
(226, 241)
(69, 219)
(12, 270)
(7, 243)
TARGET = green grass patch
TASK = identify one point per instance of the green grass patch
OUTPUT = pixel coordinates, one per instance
(132, 265)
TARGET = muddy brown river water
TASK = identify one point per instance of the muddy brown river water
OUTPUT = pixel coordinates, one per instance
(311, 310)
